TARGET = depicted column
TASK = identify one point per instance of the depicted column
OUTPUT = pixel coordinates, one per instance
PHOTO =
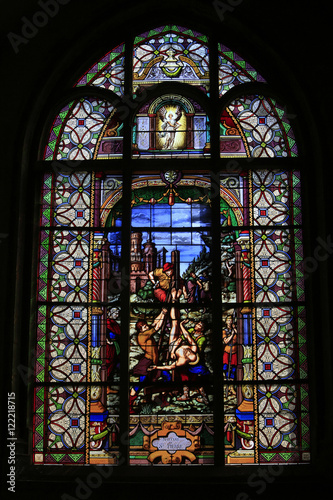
(152, 129)
(105, 275)
(98, 412)
(97, 287)
(190, 131)
(244, 411)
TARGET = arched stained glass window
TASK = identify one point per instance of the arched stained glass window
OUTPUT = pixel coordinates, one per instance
(171, 53)
(170, 294)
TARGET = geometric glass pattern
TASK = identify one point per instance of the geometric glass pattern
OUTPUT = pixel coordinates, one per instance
(234, 70)
(257, 127)
(107, 73)
(263, 298)
(74, 311)
(87, 128)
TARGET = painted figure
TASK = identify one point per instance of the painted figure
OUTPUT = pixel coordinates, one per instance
(194, 287)
(186, 355)
(164, 282)
(149, 346)
(205, 292)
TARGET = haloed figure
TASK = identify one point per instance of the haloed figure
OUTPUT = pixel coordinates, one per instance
(171, 127)
(170, 124)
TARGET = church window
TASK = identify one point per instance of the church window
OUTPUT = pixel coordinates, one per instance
(170, 294)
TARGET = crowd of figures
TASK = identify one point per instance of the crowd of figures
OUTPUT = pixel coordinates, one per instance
(171, 346)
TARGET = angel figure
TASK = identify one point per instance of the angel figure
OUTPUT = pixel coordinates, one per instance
(170, 125)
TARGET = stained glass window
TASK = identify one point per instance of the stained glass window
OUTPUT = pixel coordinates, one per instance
(170, 296)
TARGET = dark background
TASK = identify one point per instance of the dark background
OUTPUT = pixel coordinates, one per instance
(290, 44)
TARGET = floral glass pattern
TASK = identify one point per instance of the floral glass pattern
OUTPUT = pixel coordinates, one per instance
(85, 129)
(261, 256)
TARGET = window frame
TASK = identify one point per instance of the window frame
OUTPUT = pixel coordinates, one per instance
(213, 105)
(238, 473)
